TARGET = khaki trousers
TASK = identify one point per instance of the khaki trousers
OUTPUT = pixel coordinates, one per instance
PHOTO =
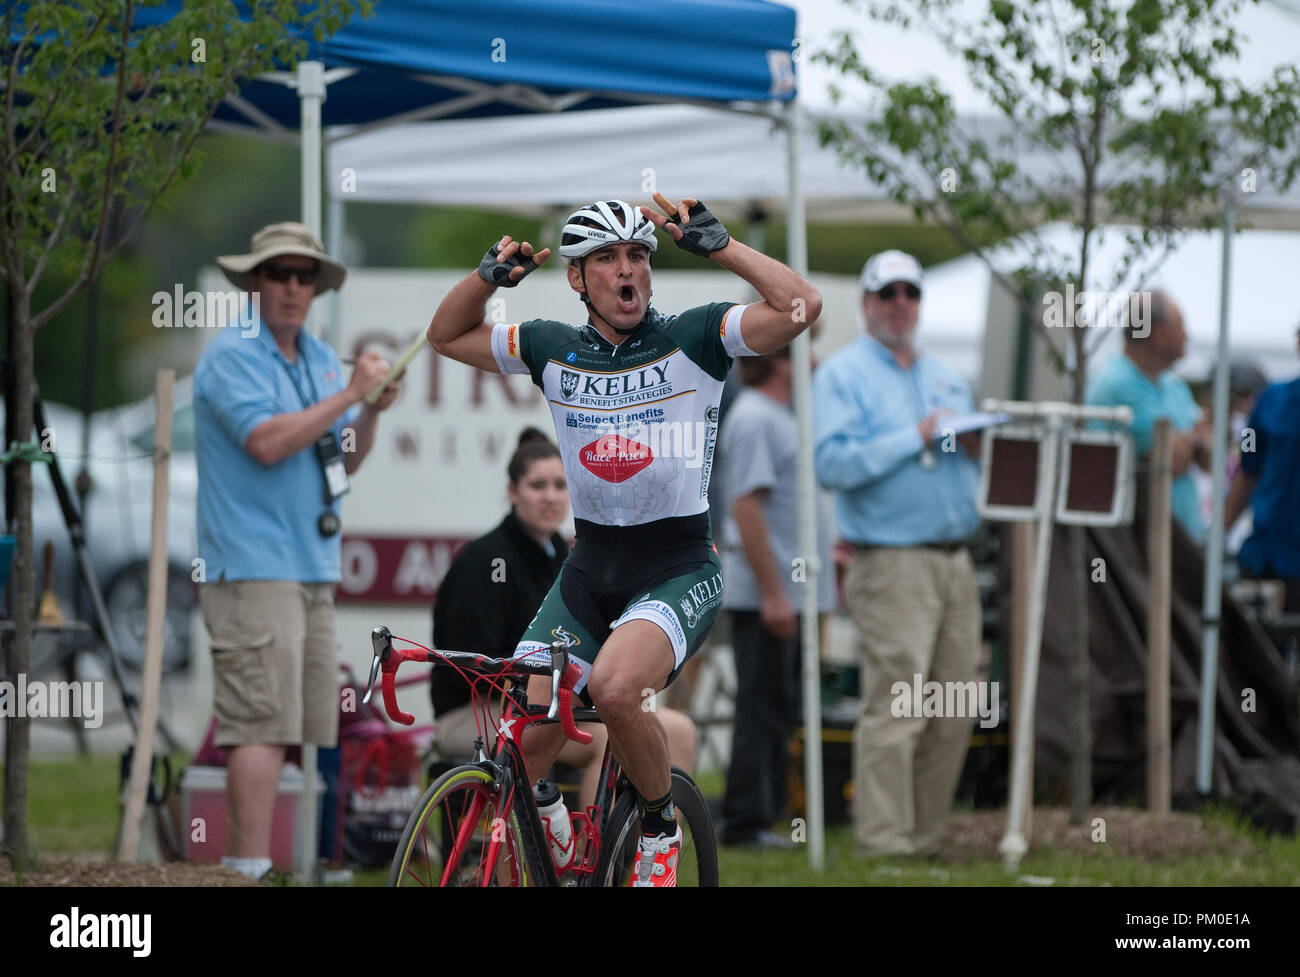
(918, 611)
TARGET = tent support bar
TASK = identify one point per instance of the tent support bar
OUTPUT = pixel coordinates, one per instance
(311, 95)
(257, 116)
(797, 248)
(283, 136)
(1210, 602)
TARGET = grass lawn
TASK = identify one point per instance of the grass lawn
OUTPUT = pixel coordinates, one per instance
(1266, 862)
(73, 809)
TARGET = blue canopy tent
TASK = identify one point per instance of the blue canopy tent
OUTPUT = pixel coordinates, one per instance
(425, 59)
(430, 59)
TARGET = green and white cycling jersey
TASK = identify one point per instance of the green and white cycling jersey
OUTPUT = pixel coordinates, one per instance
(636, 423)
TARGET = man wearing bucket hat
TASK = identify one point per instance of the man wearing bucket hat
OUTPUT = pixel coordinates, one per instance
(278, 433)
(905, 499)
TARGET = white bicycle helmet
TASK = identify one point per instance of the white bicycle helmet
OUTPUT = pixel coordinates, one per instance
(603, 223)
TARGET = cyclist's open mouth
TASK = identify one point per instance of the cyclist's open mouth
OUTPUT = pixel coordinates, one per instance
(627, 298)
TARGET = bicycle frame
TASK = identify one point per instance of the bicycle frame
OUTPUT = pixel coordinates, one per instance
(506, 764)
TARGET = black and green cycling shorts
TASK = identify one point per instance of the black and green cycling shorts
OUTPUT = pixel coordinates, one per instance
(666, 572)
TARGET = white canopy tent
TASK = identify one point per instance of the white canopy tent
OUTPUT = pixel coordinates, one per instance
(1264, 317)
(730, 159)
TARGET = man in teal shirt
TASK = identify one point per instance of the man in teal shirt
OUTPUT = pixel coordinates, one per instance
(1140, 378)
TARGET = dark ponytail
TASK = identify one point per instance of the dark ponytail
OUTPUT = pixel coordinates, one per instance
(533, 446)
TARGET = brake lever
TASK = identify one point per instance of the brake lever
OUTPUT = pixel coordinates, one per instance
(381, 639)
(559, 663)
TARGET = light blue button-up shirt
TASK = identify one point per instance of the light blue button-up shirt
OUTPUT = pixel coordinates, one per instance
(866, 447)
(258, 522)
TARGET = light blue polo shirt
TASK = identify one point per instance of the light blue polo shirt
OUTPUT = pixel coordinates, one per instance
(866, 447)
(1119, 383)
(258, 522)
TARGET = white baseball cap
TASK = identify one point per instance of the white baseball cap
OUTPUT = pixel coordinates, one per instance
(889, 266)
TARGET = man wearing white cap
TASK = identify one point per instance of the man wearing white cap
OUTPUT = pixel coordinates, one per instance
(278, 432)
(905, 499)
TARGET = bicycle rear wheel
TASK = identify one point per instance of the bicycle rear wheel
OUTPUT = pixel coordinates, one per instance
(461, 834)
(697, 862)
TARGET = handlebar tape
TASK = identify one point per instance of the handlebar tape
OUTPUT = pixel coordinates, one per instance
(571, 730)
(390, 696)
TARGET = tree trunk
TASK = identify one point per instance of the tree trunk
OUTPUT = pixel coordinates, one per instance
(18, 730)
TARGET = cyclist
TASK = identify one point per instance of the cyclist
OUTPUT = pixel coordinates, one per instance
(634, 396)
(484, 605)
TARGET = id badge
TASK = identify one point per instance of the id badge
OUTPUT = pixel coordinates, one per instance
(331, 463)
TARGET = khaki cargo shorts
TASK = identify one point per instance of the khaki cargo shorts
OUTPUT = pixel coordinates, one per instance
(275, 661)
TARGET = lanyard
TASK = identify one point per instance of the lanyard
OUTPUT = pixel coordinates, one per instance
(306, 368)
(926, 459)
(918, 395)
(327, 446)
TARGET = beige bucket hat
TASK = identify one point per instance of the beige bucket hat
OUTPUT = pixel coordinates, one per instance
(275, 240)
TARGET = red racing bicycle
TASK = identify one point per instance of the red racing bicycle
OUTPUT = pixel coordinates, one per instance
(479, 824)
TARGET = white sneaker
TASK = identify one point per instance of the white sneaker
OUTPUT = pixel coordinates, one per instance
(656, 860)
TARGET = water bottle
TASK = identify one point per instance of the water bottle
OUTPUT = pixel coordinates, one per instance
(555, 818)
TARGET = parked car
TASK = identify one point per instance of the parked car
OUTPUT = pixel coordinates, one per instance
(118, 518)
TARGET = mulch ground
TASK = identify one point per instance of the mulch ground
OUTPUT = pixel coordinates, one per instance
(1130, 833)
(97, 871)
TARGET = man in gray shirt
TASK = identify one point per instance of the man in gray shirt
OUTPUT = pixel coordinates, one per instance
(763, 593)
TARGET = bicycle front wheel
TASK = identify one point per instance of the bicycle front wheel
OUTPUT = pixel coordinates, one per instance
(697, 862)
(461, 833)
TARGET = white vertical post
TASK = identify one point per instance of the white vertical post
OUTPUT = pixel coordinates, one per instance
(1014, 845)
(311, 94)
(801, 355)
(1214, 545)
(334, 248)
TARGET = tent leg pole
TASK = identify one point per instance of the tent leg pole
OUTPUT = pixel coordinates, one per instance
(311, 94)
(801, 352)
(334, 248)
(1211, 602)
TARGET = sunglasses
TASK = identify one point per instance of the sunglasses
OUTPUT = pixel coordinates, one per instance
(889, 291)
(282, 273)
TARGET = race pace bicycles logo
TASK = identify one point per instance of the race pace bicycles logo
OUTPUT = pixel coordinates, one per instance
(568, 384)
(615, 458)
